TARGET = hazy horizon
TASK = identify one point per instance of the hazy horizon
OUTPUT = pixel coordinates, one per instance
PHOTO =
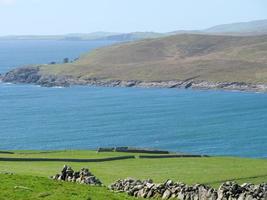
(36, 17)
(100, 31)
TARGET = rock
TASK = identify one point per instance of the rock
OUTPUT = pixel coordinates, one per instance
(22, 75)
(181, 196)
(84, 176)
(149, 185)
(242, 196)
(249, 197)
(168, 183)
(22, 187)
(169, 189)
(150, 194)
(166, 194)
(33, 75)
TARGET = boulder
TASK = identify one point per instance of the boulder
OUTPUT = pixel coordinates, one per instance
(166, 194)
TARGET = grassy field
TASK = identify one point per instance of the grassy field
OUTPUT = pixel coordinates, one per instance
(209, 170)
(179, 57)
(213, 170)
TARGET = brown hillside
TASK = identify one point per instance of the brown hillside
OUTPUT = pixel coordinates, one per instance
(179, 57)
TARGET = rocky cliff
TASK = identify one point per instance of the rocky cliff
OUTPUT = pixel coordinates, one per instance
(33, 75)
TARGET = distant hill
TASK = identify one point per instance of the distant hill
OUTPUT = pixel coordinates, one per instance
(245, 28)
(179, 57)
(72, 36)
(250, 28)
(136, 36)
(90, 36)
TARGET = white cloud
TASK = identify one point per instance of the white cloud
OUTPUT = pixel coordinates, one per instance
(7, 2)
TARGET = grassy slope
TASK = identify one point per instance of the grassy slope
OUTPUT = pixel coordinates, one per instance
(212, 170)
(22, 187)
(179, 57)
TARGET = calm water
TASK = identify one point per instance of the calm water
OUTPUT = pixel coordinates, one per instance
(210, 122)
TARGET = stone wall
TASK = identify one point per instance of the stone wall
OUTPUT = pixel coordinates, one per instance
(181, 191)
(68, 159)
(131, 150)
(173, 156)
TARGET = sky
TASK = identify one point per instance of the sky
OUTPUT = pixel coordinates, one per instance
(46, 17)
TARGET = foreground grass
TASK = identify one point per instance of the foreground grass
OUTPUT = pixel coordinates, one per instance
(22, 187)
(211, 170)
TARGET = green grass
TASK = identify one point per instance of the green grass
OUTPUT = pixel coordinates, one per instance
(22, 187)
(211, 170)
(34, 175)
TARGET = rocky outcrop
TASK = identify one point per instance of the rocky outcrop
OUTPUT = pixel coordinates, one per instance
(181, 191)
(84, 176)
(22, 75)
(33, 75)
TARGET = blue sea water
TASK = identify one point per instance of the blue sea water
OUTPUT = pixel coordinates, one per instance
(206, 122)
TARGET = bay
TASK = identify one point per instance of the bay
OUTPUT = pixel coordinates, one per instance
(202, 122)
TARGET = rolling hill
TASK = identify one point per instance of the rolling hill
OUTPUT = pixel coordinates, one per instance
(179, 57)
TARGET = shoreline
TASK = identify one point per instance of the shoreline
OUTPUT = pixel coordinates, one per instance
(32, 75)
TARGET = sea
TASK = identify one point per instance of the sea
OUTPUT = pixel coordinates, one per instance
(223, 123)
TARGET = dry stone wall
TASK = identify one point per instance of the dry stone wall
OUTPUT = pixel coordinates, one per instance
(181, 191)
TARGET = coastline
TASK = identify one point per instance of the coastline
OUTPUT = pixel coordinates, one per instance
(32, 75)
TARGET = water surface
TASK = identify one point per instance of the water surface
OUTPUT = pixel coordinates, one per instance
(207, 122)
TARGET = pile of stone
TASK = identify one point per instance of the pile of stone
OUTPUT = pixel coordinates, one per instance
(246, 191)
(84, 176)
(181, 191)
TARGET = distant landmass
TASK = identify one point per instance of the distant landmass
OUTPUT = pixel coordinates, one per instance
(72, 36)
(183, 60)
(258, 27)
(136, 36)
(249, 28)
